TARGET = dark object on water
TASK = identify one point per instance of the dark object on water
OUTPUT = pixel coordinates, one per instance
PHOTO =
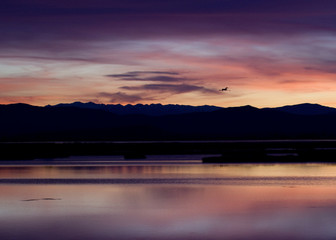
(38, 199)
(134, 156)
(236, 156)
(275, 155)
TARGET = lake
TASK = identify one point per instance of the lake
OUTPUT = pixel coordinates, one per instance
(165, 197)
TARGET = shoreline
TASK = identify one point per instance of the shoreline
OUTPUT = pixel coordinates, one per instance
(240, 151)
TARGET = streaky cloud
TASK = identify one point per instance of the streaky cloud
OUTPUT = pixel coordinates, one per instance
(139, 73)
(154, 72)
(152, 76)
(171, 88)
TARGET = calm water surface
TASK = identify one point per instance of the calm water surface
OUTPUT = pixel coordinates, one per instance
(177, 200)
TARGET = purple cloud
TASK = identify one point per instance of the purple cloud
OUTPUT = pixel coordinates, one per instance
(136, 74)
(154, 76)
(171, 88)
(35, 23)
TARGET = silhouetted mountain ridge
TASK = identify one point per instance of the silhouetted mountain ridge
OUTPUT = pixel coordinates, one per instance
(171, 109)
(307, 109)
(146, 109)
(23, 122)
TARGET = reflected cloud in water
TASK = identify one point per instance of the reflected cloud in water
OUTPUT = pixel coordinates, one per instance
(291, 209)
(155, 170)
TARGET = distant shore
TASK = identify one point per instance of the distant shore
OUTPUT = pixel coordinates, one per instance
(223, 151)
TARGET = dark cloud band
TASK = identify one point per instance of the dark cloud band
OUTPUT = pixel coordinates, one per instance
(171, 88)
(152, 76)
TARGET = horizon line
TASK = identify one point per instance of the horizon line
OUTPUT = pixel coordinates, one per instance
(169, 104)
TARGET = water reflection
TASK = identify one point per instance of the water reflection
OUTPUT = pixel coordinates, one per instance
(170, 171)
(168, 212)
(282, 210)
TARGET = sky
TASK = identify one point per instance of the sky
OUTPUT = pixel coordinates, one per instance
(268, 53)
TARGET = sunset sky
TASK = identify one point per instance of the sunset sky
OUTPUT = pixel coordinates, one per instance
(268, 52)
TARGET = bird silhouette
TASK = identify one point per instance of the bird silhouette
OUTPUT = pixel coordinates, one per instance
(224, 89)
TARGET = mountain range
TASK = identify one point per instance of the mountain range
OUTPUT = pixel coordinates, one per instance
(90, 121)
(170, 109)
(147, 109)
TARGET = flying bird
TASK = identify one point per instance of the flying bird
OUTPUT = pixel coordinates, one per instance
(224, 89)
